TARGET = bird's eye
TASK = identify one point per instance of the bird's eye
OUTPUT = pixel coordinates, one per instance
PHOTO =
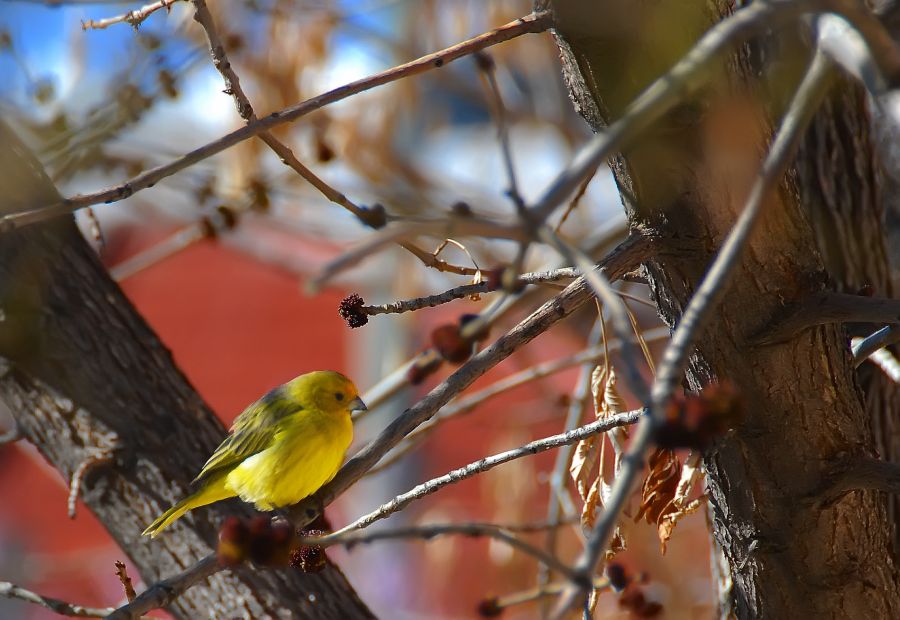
(339, 396)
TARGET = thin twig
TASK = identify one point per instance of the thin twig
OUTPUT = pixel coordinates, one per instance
(432, 531)
(498, 108)
(134, 18)
(450, 226)
(466, 290)
(576, 199)
(163, 592)
(467, 403)
(63, 608)
(705, 299)
(96, 457)
(535, 22)
(558, 477)
(488, 463)
(430, 260)
(171, 245)
(125, 580)
(540, 526)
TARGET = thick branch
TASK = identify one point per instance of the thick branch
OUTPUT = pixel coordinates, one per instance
(860, 473)
(830, 307)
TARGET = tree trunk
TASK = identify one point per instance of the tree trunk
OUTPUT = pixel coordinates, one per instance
(687, 179)
(84, 376)
(838, 180)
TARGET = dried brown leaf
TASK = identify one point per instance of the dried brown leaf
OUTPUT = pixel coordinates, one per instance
(664, 496)
(660, 485)
(669, 520)
(584, 466)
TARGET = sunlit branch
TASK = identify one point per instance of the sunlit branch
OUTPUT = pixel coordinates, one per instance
(486, 464)
(133, 18)
(534, 594)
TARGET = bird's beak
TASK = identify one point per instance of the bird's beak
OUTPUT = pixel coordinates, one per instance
(358, 405)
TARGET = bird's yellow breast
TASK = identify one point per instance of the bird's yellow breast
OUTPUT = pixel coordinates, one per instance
(307, 452)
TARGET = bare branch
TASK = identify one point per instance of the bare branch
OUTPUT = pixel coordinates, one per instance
(450, 226)
(534, 594)
(705, 299)
(862, 472)
(466, 290)
(559, 496)
(541, 445)
(467, 403)
(535, 22)
(134, 18)
(830, 307)
(612, 303)
(174, 243)
(430, 532)
(498, 108)
(63, 608)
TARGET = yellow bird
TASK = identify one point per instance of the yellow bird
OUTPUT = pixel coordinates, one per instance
(282, 448)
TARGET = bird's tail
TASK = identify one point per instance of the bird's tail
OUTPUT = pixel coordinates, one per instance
(213, 491)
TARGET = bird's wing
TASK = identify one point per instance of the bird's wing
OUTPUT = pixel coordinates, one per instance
(253, 431)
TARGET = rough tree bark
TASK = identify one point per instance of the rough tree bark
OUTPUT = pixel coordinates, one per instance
(84, 376)
(687, 180)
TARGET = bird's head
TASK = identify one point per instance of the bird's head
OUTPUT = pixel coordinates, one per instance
(327, 391)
